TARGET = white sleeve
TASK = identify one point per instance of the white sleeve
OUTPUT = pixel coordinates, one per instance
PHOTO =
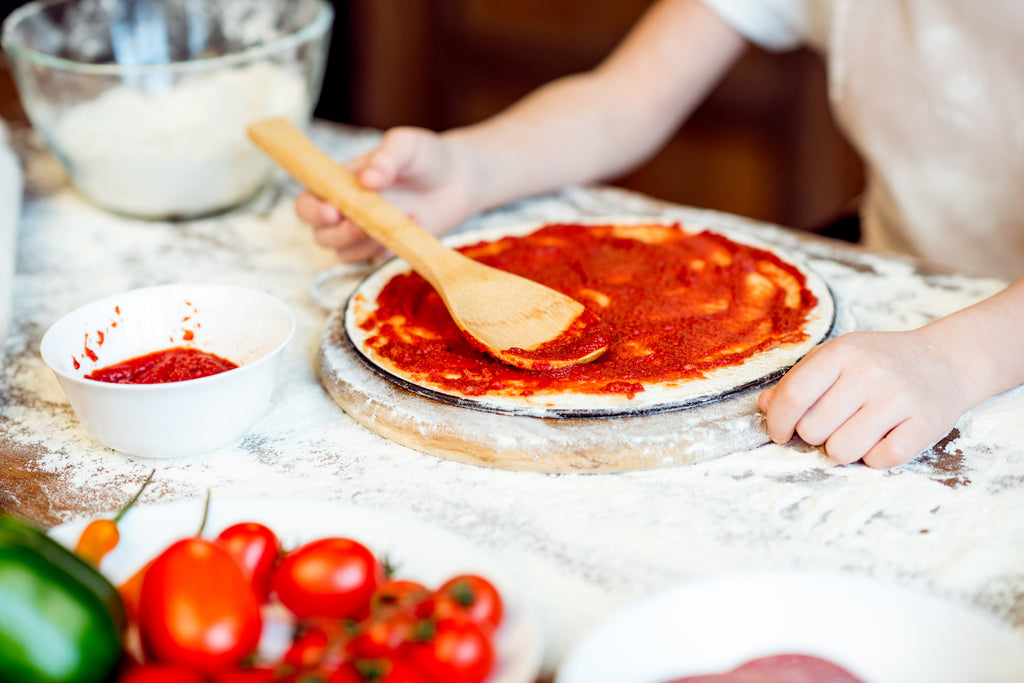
(772, 24)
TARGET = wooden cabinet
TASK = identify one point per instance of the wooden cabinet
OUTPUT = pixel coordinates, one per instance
(762, 145)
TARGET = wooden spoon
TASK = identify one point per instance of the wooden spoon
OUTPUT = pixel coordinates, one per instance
(517, 321)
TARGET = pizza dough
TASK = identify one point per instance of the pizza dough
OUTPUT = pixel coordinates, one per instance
(699, 316)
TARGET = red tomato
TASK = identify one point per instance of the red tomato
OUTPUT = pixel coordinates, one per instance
(131, 590)
(197, 608)
(329, 577)
(397, 595)
(383, 670)
(337, 632)
(311, 648)
(319, 644)
(160, 673)
(307, 676)
(471, 597)
(256, 674)
(458, 652)
(383, 635)
(256, 548)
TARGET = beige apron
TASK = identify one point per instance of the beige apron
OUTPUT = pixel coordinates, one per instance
(932, 94)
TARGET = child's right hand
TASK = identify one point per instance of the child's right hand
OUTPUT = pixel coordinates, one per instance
(416, 170)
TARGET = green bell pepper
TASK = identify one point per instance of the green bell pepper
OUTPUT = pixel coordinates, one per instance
(60, 619)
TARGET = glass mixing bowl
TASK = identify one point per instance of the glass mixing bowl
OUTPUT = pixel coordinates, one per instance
(145, 102)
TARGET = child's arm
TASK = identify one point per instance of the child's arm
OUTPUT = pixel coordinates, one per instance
(578, 129)
(885, 397)
(602, 123)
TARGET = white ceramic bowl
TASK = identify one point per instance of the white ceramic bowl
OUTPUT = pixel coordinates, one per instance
(879, 631)
(245, 326)
(146, 102)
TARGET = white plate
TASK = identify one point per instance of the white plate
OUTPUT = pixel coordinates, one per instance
(881, 632)
(422, 551)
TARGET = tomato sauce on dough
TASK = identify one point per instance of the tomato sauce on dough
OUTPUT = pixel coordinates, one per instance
(170, 365)
(679, 305)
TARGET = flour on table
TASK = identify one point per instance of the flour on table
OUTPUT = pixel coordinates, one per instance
(999, 420)
(951, 522)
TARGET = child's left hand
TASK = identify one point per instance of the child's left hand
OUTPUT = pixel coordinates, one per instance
(880, 397)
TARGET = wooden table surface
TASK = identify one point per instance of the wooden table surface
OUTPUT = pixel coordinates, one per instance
(950, 523)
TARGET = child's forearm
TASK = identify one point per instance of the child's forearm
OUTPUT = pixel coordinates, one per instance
(986, 342)
(599, 124)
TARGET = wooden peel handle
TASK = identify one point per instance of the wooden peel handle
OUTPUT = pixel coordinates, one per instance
(324, 177)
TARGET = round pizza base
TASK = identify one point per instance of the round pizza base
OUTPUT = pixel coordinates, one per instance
(718, 385)
(516, 442)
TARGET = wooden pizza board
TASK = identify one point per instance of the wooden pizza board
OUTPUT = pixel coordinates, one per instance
(612, 444)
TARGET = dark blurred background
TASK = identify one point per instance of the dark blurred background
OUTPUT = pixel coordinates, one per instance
(763, 145)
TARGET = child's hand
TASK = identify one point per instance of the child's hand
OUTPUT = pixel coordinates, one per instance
(883, 397)
(415, 170)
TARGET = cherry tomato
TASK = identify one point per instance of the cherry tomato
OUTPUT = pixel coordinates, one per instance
(329, 577)
(314, 647)
(397, 595)
(383, 635)
(160, 673)
(256, 548)
(197, 608)
(306, 676)
(255, 674)
(395, 610)
(382, 670)
(471, 597)
(131, 590)
(458, 651)
(337, 631)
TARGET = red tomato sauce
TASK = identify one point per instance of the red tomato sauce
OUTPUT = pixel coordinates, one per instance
(584, 335)
(169, 365)
(679, 304)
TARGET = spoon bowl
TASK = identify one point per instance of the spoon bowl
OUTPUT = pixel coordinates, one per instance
(516, 320)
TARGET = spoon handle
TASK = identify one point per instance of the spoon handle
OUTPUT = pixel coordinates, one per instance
(324, 177)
